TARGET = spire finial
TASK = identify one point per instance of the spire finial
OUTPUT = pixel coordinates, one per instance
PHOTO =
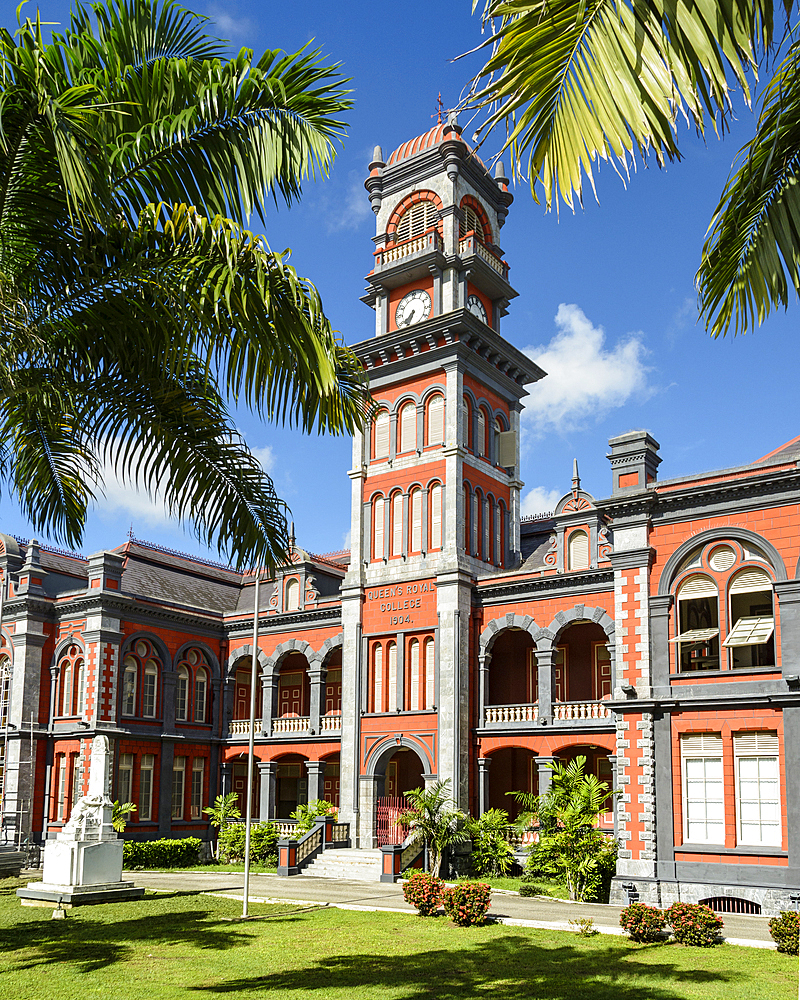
(439, 109)
(130, 532)
(291, 535)
(576, 479)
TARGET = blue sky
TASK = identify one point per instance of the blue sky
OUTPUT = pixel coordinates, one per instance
(606, 297)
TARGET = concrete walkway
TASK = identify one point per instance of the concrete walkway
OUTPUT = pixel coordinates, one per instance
(509, 908)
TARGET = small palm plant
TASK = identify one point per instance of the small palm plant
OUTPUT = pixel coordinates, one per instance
(121, 815)
(224, 810)
(434, 819)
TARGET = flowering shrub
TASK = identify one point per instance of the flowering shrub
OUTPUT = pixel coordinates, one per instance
(694, 924)
(466, 903)
(423, 891)
(642, 922)
(784, 931)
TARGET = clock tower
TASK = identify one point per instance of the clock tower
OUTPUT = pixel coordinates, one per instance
(435, 477)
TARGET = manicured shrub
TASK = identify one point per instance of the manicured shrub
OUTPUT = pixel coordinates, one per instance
(492, 855)
(784, 930)
(263, 843)
(466, 903)
(530, 888)
(424, 891)
(694, 924)
(178, 853)
(642, 922)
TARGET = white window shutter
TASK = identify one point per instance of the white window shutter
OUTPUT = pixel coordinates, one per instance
(697, 586)
(380, 506)
(377, 680)
(382, 435)
(507, 449)
(436, 420)
(414, 683)
(430, 670)
(436, 516)
(397, 524)
(392, 680)
(408, 428)
(750, 581)
(416, 520)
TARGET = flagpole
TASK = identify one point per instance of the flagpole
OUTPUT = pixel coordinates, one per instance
(250, 750)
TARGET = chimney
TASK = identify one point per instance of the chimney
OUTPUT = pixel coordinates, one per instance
(634, 461)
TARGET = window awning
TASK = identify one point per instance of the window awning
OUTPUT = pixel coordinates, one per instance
(750, 632)
(696, 635)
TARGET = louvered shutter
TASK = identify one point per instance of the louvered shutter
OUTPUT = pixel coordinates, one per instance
(701, 745)
(377, 680)
(397, 524)
(416, 521)
(382, 435)
(697, 586)
(755, 744)
(392, 681)
(578, 550)
(750, 581)
(414, 658)
(436, 517)
(430, 670)
(481, 442)
(436, 420)
(377, 552)
(408, 428)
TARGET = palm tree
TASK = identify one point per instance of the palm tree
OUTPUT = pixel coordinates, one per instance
(224, 810)
(135, 305)
(576, 82)
(434, 819)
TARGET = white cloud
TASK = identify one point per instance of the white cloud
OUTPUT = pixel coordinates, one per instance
(350, 211)
(585, 378)
(539, 501)
(266, 456)
(347, 539)
(227, 24)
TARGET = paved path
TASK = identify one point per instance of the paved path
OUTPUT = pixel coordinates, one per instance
(511, 908)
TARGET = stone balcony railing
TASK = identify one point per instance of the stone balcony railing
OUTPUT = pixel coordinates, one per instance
(472, 245)
(563, 711)
(291, 724)
(419, 244)
(241, 727)
(330, 724)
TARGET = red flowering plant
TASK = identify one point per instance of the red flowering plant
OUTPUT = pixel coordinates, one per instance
(694, 924)
(642, 922)
(466, 903)
(424, 891)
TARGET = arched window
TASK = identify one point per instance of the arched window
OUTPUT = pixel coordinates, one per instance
(467, 511)
(480, 444)
(497, 428)
(435, 501)
(471, 223)
(430, 672)
(382, 434)
(465, 421)
(498, 534)
(698, 624)
(392, 677)
(578, 550)
(436, 419)
(200, 692)
(413, 664)
(182, 695)
(378, 506)
(477, 510)
(377, 679)
(416, 220)
(140, 678)
(72, 678)
(751, 619)
(487, 529)
(293, 595)
(408, 428)
(416, 520)
(397, 524)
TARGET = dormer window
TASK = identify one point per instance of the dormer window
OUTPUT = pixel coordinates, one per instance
(578, 550)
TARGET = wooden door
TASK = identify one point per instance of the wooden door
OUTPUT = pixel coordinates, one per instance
(391, 779)
(240, 786)
(331, 785)
(560, 690)
(602, 671)
(533, 676)
(290, 699)
(241, 705)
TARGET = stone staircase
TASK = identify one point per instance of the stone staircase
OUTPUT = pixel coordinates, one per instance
(350, 864)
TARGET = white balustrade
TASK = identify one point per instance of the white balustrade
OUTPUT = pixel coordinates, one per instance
(286, 829)
(571, 710)
(473, 244)
(428, 241)
(330, 724)
(241, 727)
(511, 713)
(291, 724)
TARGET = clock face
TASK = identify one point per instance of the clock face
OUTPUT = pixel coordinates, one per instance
(476, 307)
(413, 308)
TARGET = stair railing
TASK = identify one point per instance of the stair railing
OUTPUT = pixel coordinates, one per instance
(297, 853)
(395, 858)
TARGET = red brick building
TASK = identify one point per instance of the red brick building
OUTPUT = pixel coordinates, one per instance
(655, 631)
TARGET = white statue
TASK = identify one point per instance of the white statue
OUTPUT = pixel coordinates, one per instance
(91, 815)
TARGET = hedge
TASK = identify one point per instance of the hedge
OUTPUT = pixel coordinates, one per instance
(263, 843)
(784, 931)
(165, 853)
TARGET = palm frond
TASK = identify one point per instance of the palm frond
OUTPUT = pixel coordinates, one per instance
(751, 257)
(577, 82)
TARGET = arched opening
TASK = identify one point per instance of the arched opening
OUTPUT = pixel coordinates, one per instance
(582, 671)
(598, 764)
(333, 683)
(398, 770)
(403, 773)
(241, 690)
(330, 784)
(512, 670)
(294, 688)
(513, 769)
(292, 784)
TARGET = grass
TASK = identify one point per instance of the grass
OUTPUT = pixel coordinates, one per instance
(188, 946)
(546, 887)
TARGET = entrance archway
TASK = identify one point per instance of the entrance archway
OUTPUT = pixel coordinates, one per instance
(403, 773)
(395, 767)
(292, 784)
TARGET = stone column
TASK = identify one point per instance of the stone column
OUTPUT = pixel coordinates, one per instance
(612, 759)
(267, 776)
(660, 608)
(544, 667)
(317, 675)
(454, 597)
(226, 708)
(545, 774)
(484, 659)
(350, 787)
(484, 763)
(168, 685)
(370, 788)
(165, 787)
(316, 779)
(269, 700)
(225, 779)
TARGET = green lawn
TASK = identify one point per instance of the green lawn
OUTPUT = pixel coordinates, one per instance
(191, 946)
(546, 887)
